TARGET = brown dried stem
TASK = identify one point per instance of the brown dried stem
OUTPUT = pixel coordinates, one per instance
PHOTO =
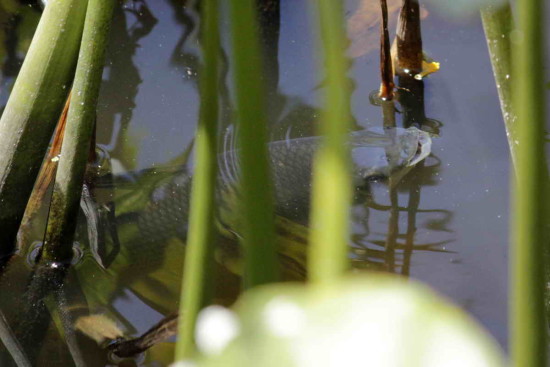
(408, 43)
(386, 70)
(45, 176)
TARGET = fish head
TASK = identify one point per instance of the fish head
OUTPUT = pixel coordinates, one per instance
(379, 155)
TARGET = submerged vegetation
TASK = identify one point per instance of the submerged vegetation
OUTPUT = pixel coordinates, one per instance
(233, 227)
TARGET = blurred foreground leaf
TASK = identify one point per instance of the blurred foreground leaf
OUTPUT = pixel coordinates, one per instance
(463, 8)
(377, 320)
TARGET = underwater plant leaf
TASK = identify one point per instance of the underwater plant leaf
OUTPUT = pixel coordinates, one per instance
(377, 320)
(98, 327)
(34, 105)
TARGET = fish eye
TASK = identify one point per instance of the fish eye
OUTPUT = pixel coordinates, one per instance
(374, 178)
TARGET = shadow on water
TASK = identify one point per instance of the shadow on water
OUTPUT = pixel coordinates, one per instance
(63, 317)
(131, 23)
(18, 22)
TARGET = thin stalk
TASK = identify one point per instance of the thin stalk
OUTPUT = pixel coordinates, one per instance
(332, 184)
(528, 324)
(498, 24)
(200, 248)
(78, 133)
(386, 69)
(260, 265)
(34, 106)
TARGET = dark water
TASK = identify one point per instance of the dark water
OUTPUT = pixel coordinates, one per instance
(451, 227)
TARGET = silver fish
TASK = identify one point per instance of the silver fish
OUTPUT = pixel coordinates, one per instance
(376, 155)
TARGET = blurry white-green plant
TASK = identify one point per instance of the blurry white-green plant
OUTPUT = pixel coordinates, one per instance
(375, 320)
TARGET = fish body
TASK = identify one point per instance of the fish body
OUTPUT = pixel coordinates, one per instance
(375, 155)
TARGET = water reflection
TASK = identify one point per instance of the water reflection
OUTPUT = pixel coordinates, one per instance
(131, 23)
(392, 251)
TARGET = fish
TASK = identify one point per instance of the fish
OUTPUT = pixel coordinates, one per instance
(153, 227)
(376, 155)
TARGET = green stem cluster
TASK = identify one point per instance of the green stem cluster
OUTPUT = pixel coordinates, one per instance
(78, 132)
(33, 109)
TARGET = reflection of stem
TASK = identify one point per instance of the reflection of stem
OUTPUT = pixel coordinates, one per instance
(408, 63)
(67, 323)
(411, 98)
(124, 77)
(11, 344)
(388, 116)
(393, 230)
(412, 210)
(269, 21)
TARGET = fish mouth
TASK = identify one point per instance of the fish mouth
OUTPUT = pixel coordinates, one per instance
(424, 148)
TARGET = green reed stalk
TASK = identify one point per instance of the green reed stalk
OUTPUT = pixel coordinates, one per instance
(528, 324)
(78, 132)
(498, 24)
(34, 106)
(332, 184)
(257, 209)
(199, 252)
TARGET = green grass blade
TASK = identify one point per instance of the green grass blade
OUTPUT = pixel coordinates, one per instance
(199, 252)
(33, 108)
(332, 184)
(78, 132)
(257, 202)
(528, 324)
(498, 24)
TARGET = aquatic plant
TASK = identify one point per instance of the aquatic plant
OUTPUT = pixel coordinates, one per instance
(517, 67)
(75, 151)
(528, 324)
(33, 108)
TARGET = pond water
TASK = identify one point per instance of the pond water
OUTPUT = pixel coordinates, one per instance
(450, 227)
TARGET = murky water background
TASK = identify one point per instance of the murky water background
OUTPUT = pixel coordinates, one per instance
(148, 111)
